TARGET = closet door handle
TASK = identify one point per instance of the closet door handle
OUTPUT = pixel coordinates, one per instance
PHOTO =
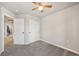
(29, 32)
(23, 32)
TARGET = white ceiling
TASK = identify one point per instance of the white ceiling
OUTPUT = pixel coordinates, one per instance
(26, 7)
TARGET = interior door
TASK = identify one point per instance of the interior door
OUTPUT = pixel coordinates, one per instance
(19, 31)
(34, 29)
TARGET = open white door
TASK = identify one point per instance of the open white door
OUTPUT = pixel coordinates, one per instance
(19, 31)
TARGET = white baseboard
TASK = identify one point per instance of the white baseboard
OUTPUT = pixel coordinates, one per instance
(28, 42)
(31, 42)
(62, 47)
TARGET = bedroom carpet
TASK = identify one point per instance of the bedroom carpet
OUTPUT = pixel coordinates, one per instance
(38, 48)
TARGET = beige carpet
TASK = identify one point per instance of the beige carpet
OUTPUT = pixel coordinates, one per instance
(38, 48)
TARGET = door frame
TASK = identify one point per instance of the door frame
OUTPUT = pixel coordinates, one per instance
(12, 28)
(2, 24)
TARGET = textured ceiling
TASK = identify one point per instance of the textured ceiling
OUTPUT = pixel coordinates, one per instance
(26, 7)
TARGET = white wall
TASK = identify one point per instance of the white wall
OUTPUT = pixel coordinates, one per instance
(1, 41)
(61, 28)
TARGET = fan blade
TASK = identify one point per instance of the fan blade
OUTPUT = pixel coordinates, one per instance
(35, 8)
(37, 3)
(47, 6)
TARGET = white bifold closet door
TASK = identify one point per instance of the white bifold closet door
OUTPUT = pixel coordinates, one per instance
(32, 29)
(19, 31)
(27, 30)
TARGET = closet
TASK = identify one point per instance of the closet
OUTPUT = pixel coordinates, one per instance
(27, 30)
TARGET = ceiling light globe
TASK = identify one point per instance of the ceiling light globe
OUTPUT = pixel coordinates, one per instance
(41, 8)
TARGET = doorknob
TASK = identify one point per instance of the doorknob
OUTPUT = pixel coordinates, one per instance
(23, 32)
(29, 32)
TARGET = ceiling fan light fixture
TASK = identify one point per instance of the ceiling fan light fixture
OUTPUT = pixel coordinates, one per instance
(40, 8)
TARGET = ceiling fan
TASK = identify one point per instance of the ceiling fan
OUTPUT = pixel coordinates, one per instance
(40, 6)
